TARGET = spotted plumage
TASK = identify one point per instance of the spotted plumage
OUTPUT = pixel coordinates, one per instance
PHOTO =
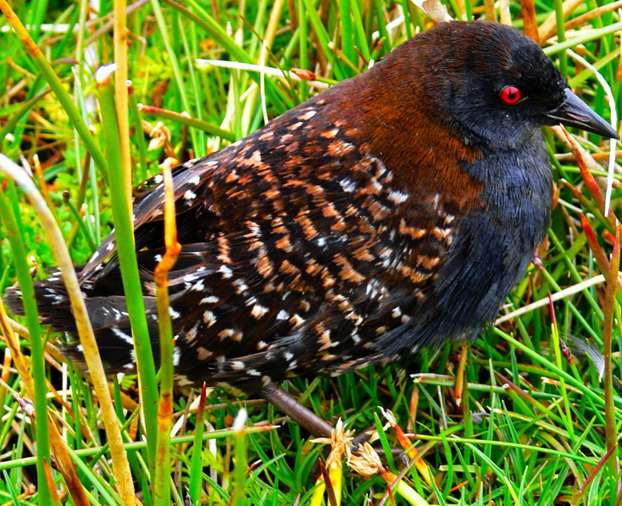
(381, 216)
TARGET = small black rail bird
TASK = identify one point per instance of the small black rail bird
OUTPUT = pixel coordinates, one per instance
(392, 212)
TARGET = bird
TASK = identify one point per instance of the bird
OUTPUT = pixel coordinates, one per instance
(392, 212)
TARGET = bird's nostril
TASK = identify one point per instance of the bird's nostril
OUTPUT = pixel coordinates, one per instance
(574, 112)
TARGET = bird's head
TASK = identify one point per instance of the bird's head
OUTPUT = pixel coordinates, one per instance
(495, 86)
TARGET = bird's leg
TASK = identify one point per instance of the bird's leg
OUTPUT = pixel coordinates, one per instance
(296, 411)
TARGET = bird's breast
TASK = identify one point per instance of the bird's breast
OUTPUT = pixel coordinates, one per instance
(493, 247)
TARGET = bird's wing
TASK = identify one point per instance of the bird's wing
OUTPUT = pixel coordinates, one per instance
(336, 301)
(260, 302)
(298, 251)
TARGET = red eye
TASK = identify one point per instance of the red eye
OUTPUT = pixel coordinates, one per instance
(510, 95)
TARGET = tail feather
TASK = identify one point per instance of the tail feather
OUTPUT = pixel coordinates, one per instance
(108, 316)
(52, 302)
(116, 348)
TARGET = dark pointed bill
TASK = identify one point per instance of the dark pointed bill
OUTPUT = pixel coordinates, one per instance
(574, 112)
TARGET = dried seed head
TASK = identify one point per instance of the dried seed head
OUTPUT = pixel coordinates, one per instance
(390, 417)
(365, 461)
(340, 441)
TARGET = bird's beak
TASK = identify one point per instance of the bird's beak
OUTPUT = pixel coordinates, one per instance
(575, 112)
